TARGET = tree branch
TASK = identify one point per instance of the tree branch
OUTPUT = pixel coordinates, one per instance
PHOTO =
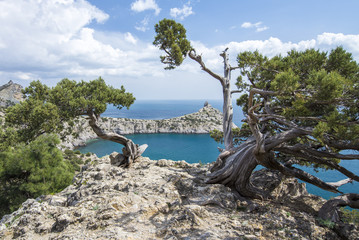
(329, 211)
(341, 182)
(313, 159)
(198, 58)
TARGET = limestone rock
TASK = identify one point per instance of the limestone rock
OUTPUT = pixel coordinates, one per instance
(10, 93)
(160, 200)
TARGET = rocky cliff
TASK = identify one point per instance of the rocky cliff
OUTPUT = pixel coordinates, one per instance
(10, 93)
(166, 200)
(203, 121)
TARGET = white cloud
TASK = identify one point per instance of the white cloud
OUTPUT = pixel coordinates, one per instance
(63, 45)
(274, 46)
(130, 38)
(143, 26)
(261, 29)
(247, 25)
(143, 5)
(182, 13)
(50, 40)
(258, 26)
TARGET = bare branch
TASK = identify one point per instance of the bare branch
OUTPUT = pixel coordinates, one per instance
(198, 58)
(340, 144)
(282, 137)
(301, 147)
(233, 68)
(341, 182)
(298, 173)
(236, 91)
(301, 153)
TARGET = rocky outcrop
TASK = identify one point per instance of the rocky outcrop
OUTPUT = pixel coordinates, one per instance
(203, 121)
(10, 93)
(165, 200)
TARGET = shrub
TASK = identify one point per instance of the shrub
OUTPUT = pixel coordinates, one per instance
(350, 216)
(28, 171)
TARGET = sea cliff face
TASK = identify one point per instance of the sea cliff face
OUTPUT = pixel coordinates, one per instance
(10, 93)
(203, 121)
(166, 200)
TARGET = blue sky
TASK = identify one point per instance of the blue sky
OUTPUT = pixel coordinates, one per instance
(81, 40)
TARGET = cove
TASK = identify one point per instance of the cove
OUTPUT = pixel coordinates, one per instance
(192, 148)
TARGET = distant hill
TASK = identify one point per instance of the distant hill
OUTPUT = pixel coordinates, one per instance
(10, 93)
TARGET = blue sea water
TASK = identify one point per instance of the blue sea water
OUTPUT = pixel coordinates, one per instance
(163, 109)
(193, 148)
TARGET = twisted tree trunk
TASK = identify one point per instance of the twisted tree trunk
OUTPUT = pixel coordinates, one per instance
(130, 152)
(234, 167)
(235, 170)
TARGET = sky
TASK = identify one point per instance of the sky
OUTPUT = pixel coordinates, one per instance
(49, 40)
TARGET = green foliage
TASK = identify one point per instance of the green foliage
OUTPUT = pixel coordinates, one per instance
(216, 135)
(73, 158)
(326, 223)
(8, 137)
(171, 38)
(350, 216)
(31, 170)
(314, 89)
(45, 109)
(37, 117)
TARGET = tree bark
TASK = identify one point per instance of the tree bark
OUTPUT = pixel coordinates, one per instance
(329, 211)
(227, 103)
(227, 95)
(131, 151)
(234, 167)
(235, 171)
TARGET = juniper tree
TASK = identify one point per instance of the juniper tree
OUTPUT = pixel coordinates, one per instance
(47, 110)
(30, 170)
(301, 109)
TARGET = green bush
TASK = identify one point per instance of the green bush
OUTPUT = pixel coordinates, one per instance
(31, 170)
(77, 152)
(350, 216)
(74, 158)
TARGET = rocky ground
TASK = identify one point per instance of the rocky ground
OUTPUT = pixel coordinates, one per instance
(167, 200)
(203, 121)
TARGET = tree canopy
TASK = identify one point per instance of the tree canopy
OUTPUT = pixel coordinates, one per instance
(311, 91)
(47, 109)
(171, 38)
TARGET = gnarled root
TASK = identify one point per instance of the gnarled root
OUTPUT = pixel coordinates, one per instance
(131, 152)
(236, 170)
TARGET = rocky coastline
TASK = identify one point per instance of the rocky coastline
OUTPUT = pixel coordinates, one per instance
(201, 122)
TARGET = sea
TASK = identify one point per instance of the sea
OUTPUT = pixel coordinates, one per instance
(194, 148)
